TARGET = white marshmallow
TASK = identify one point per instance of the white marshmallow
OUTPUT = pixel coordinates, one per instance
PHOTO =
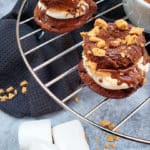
(34, 131)
(41, 6)
(70, 136)
(140, 65)
(42, 146)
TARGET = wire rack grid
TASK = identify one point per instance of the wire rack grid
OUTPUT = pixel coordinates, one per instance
(45, 86)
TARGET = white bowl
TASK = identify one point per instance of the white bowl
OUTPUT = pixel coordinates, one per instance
(138, 12)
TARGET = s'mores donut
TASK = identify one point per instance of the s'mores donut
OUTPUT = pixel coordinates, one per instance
(114, 59)
(62, 16)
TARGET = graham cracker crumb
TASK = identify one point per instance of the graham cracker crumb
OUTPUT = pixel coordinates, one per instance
(131, 39)
(96, 139)
(122, 54)
(142, 45)
(94, 39)
(86, 137)
(115, 43)
(11, 96)
(116, 138)
(91, 33)
(121, 24)
(123, 42)
(136, 30)
(105, 123)
(97, 148)
(2, 91)
(89, 52)
(113, 146)
(96, 30)
(106, 146)
(76, 99)
(9, 89)
(4, 98)
(83, 34)
(144, 81)
(15, 92)
(91, 65)
(101, 23)
(23, 83)
(101, 43)
(111, 126)
(98, 52)
(24, 90)
(110, 138)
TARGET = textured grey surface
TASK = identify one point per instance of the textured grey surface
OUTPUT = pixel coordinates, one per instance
(114, 110)
(6, 6)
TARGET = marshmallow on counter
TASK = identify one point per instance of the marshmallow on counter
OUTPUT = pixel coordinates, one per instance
(34, 131)
(42, 146)
(70, 136)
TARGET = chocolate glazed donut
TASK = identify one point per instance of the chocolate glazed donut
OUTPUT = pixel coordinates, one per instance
(56, 25)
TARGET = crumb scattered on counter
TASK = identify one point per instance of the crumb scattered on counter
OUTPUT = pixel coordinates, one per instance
(2, 91)
(24, 90)
(10, 89)
(113, 146)
(24, 83)
(15, 92)
(110, 139)
(111, 126)
(3, 98)
(105, 123)
(97, 148)
(86, 137)
(97, 139)
(10, 93)
(76, 99)
(106, 146)
(11, 96)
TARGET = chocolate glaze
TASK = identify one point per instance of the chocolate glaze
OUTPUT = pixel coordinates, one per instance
(63, 25)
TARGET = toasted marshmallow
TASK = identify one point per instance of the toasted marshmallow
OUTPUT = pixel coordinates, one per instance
(107, 81)
(41, 6)
(142, 67)
(64, 14)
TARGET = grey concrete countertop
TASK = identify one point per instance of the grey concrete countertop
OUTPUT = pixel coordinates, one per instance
(114, 110)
